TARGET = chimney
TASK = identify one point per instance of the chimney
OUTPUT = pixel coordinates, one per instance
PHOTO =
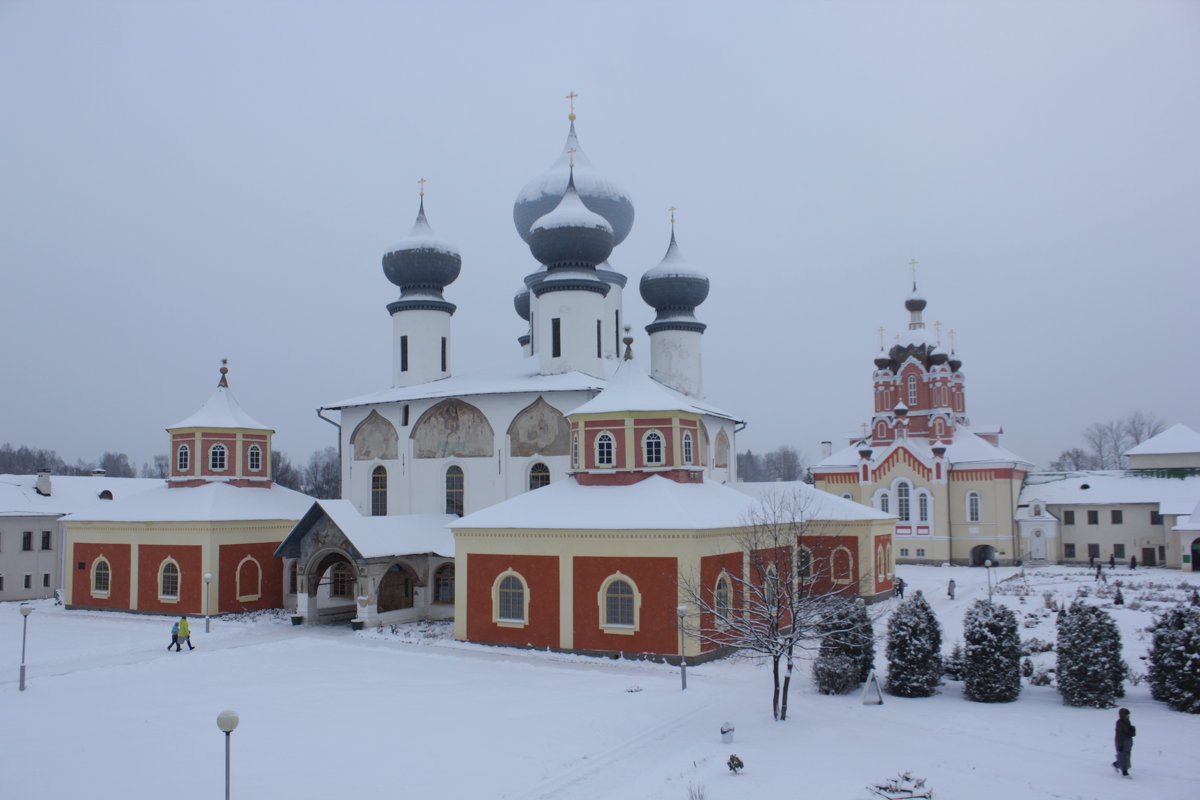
(826, 449)
(42, 486)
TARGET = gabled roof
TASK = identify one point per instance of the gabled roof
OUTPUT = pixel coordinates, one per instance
(1190, 522)
(376, 537)
(68, 493)
(211, 502)
(966, 450)
(1110, 487)
(221, 411)
(1178, 438)
(630, 389)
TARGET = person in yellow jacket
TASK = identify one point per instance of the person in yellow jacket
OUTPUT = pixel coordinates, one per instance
(185, 635)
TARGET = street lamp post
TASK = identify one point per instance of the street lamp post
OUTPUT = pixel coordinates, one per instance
(682, 610)
(25, 612)
(988, 566)
(227, 721)
(207, 618)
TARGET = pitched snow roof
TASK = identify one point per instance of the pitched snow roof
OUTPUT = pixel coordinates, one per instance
(1110, 487)
(208, 503)
(68, 493)
(221, 411)
(400, 534)
(1178, 438)
(966, 449)
(817, 504)
(631, 389)
(1189, 522)
(656, 503)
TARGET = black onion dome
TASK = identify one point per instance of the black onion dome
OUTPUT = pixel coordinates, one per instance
(421, 261)
(521, 304)
(882, 361)
(674, 288)
(955, 362)
(571, 235)
(542, 194)
(915, 302)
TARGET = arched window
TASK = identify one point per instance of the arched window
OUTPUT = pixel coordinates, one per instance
(183, 458)
(804, 564)
(902, 502)
(841, 564)
(254, 458)
(619, 601)
(443, 584)
(379, 492)
(455, 490)
(771, 589)
(688, 454)
(249, 579)
(912, 390)
(604, 450)
(575, 451)
(973, 506)
(887, 560)
(510, 597)
(168, 581)
(721, 598)
(216, 457)
(922, 507)
(539, 476)
(652, 448)
(101, 577)
(341, 581)
(880, 564)
(884, 504)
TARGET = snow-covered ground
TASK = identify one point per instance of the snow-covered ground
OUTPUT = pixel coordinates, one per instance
(330, 713)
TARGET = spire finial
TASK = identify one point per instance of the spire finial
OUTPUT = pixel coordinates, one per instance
(571, 157)
(672, 209)
(571, 98)
(913, 265)
(937, 326)
(881, 330)
(952, 339)
(628, 340)
(224, 371)
(421, 182)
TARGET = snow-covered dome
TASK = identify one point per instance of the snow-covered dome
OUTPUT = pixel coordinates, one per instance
(542, 194)
(571, 235)
(422, 261)
(521, 304)
(674, 288)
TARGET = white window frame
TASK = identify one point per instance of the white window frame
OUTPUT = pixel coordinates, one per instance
(912, 391)
(689, 450)
(509, 622)
(254, 458)
(529, 476)
(974, 506)
(101, 560)
(218, 452)
(723, 608)
(163, 597)
(624, 629)
(833, 565)
(183, 458)
(612, 450)
(904, 501)
(662, 446)
(575, 451)
(244, 596)
(923, 505)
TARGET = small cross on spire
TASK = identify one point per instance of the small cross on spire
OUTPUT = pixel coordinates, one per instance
(937, 326)
(913, 265)
(881, 330)
(952, 339)
(672, 209)
(224, 371)
(571, 98)
(571, 158)
(421, 183)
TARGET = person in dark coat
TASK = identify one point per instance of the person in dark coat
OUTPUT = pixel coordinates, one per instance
(1124, 741)
(900, 588)
(950, 588)
(1099, 572)
(1133, 562)
(1112, 561)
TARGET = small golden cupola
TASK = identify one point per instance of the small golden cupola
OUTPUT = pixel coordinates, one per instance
(220, 443)
(636, 428)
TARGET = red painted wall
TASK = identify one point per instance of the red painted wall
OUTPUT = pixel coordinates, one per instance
(207, 440)
(710, 568)
(228, 558)
(541, 576)
(191, 578)
(119, 559)
(656, 580)
(822, 548)
(885, 583)
(594, 428)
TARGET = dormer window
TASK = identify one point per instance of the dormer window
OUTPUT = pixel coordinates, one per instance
(255, 458)
(604, 450)
(183, 458)
(652, 447)
(216, 457)
(687, 448)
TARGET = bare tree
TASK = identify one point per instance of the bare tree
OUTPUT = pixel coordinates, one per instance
(323, 475)
(284, 473)
(1106, 442)
(777, 600)
(1071, 460)
(1140, 426)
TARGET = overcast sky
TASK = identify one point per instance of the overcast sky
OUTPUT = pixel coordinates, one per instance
(182, 182)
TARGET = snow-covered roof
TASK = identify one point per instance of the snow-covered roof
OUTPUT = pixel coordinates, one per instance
(399, 534)
(511, 378)
(571, 213)
(656, 503)
(422, 237)
(208, 503)
(631, 389)
(1110, 487)
(221, 411)
(1178, 438)
(68, 493)
(1189, 521)
(966, 449)
(817, 504)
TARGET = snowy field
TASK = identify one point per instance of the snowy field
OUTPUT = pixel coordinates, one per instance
(109, 713)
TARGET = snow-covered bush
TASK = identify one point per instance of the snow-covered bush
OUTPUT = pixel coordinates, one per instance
(903, 787)
(835, 673)
(734, 763)
(1090, 670)
(1036, 645)
(953, 664)
(992, 673)
(914, 649)
(847, 632)
(1174, 672)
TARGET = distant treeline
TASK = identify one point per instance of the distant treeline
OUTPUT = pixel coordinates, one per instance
(784, 463)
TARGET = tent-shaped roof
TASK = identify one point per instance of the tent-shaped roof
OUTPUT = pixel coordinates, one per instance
(630, 389)
(221, 411)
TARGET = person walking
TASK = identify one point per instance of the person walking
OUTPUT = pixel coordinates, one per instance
(950, 588)
(1124, 741)
(174, 637)
(1099, 571)
(900, 588)
(1133, 562)
(185, 635)
(1112, 560)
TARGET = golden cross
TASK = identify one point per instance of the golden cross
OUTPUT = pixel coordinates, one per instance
(938, 327)
(672, 209)
(913, 263)
(952, 337)
(880, 337)
(421, 182)
(864, 430)
(571, 97)
(571, 158)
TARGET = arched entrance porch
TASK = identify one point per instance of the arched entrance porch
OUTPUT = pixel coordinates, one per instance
(397, 588)
(981, 553)
(331, 583)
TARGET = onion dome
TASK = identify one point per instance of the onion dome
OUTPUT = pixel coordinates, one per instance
(915, 302)
(674, 288)
(882, 361)
(422, 265)
(521, 304)
(542, 194)
(570, 236)
(955, 362)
